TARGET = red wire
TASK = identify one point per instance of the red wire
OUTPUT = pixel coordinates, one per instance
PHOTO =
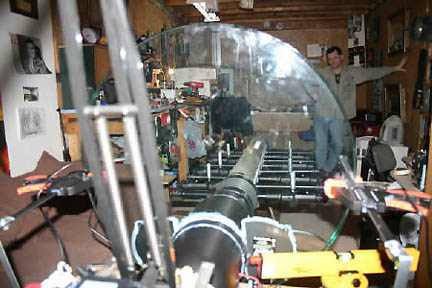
(255, 279)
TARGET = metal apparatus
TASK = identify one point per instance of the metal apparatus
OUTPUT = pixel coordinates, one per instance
(216, 221)
(283, 176)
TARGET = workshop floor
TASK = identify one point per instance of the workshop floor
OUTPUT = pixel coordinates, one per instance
(30, 245)
(322, 220)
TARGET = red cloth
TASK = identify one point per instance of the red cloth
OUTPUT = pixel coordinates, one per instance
(33, 285)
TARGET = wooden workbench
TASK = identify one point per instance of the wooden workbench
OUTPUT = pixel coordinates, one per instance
(72, 132)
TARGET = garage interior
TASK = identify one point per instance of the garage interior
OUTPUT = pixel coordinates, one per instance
(184, 138)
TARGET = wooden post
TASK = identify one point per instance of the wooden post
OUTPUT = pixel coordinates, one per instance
(183, 166)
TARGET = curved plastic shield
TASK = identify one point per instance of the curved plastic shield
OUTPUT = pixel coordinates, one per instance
(251, 82)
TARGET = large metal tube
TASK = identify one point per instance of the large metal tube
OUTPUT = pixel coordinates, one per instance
(212, 233)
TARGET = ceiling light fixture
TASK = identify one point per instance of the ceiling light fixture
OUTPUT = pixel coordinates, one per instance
(207, 8)
(246, 4)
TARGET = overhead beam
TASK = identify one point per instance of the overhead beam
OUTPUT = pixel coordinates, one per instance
(296, 25)
(285, 14)
(280, 3)
(358, 8)
(184, 2)
(283, 18)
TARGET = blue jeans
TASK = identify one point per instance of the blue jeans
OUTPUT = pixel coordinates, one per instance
(329, 141)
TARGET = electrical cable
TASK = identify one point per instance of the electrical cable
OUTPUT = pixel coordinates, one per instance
(337, 231)
(250, 277)
(307, 233)
(56, 236)
(64, 167)
(93, 203)
(47, 219)
(96, 233)
(93, 229)
(52, 175)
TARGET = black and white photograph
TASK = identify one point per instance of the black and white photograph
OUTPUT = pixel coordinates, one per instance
(31, 94)
(354, 25)
(27, 55)
(31, 121)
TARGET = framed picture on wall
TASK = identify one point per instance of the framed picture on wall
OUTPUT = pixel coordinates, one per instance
(397, 32)
(27, 55)
(31, 121)
(27, 8)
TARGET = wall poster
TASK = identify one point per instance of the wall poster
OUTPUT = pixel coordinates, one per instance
(31, 121)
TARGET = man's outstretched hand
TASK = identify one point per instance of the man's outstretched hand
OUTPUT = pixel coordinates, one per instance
(400, 67)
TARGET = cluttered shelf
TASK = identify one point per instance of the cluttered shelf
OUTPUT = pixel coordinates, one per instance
(71, 127)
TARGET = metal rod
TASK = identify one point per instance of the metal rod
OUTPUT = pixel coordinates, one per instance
(232, 163)
(285, 152)
(266, 157)
(115, 109)
(8, 268)
(211, 186)
(220, 158)
(208, 172)
(287, 187)
(287, 171)
(140, 178)
(40, 201)
(117, 203)
(128, 72)
(285, 160)
(75, 62)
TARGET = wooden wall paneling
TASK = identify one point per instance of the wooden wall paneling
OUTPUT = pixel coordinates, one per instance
(301, 38)
(145, 16)
(90, 13)
(102, 63)
(407, 79)
(362, 97)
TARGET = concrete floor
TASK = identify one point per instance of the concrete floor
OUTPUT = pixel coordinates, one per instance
(320, 219)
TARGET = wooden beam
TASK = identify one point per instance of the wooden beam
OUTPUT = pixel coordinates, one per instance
(357, 9)
(305, 16)
(183, 165)
(282, 19)
(294, 3)
(295, 25)
(183, 2)
(268, 3)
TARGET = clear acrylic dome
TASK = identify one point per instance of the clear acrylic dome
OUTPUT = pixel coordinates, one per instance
(266, 86)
